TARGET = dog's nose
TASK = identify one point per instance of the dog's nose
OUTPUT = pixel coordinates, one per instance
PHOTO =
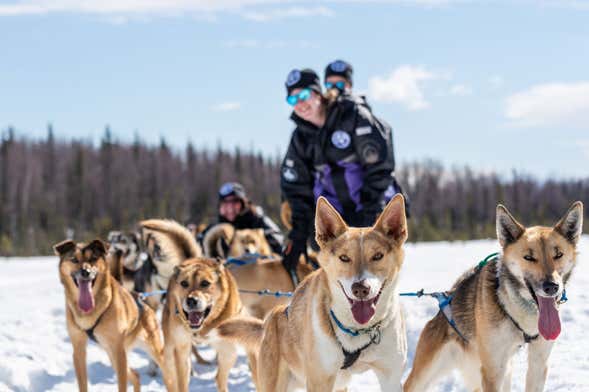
(85, 273)
(191, 302)
(360, 289)
(550, 288)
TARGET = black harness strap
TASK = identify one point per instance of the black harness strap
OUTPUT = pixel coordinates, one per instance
(351, 357)
(140, 308)
(90, 331)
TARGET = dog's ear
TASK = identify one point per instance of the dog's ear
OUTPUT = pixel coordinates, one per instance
(571, 224)
(508, 229)
(220, 262)
(177, 270)
(392, 222)
(328, 222)
(97, 247)
(64, 247)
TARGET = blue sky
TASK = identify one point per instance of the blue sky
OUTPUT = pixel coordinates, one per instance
(494, 85)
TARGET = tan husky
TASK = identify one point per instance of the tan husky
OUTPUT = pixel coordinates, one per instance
(201, 295)
(264, 274)
(501, 306)
(344, 318)
(98, 307)
(223, 240)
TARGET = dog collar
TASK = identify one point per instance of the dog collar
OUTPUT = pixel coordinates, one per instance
(373, 331)
(351, 357)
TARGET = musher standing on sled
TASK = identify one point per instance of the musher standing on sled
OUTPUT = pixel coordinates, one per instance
(338, 150)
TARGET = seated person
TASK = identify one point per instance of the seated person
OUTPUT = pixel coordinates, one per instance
(236, 209)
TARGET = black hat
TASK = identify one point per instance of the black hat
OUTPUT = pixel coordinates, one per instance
(232, 189)
(339, 68)
(302, 78)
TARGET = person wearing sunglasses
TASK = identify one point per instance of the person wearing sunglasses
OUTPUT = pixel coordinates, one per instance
(338, 150)
(338, 77)
(236, 209)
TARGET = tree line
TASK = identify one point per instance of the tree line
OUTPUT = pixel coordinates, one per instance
(50, 189)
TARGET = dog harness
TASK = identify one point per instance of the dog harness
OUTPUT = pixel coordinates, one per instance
(245, 259)
(351, 357)
(90, 331)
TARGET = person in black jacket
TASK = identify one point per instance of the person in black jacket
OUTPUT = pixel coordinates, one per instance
(338, 76)
(236, 209)
(338, 150)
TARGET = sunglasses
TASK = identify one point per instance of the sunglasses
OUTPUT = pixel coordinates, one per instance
(302, 96)
(340, 85)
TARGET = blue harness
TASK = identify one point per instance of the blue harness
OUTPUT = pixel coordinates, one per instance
(246, 259)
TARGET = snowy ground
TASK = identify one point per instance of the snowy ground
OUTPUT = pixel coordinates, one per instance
(35, 352)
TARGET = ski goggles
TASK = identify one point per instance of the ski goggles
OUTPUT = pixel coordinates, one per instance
(340, 85)
(302, 96)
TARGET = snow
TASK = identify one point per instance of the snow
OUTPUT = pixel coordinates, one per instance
(36, 355)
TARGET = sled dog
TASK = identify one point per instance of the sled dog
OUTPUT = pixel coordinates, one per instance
(99, 308)
(166, 243)
(265, 273)
(201, 295)
(499, 307)
(344, 318)
(223, 240)
(125, 257)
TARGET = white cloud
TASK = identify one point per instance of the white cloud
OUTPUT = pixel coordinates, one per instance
(105, 7)
(584, 146)
(273, 44)
(460, 90)
(226, 107)
(496, 81)
(550, 104)
(403, 85)
(297, 8)
(292, 12)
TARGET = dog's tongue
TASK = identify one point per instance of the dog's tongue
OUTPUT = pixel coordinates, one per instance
(549, 320)
(195, 318)
(85, 300)
(363, 311)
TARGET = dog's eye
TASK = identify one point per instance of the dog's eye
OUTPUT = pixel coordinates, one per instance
(184, 284)
(377, 256)
(344, 258)
(74, 260)
(205, 283)
(529, 258)
(558, 255)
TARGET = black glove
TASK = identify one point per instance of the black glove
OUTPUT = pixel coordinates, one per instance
(292, 252)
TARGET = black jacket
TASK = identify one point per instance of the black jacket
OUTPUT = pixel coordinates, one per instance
(350, 161)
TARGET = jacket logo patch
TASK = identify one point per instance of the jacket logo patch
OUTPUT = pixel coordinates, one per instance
(289, 174)
(363, 131)
(341, 139)
(370, 153)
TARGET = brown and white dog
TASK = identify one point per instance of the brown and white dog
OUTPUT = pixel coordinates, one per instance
(98, 307)
(344, 318)
(266, 273)
(201, 295)
(224, 241)
(166, 243)
(501, 306)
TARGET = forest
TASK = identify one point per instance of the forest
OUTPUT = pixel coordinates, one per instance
(50, 189)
